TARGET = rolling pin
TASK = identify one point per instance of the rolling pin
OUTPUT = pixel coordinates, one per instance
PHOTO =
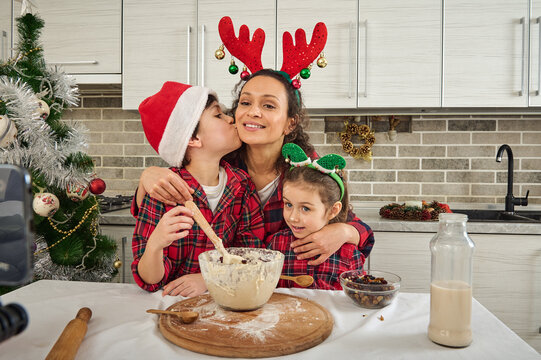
(69, 341)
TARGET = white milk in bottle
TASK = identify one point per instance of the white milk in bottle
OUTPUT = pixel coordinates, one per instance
(451, 279)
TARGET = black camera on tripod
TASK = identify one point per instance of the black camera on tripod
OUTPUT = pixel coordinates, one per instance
(16, 238)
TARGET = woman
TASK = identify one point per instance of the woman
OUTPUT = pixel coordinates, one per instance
(268, 113)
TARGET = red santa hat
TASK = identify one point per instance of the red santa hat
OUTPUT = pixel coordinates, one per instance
(170, 116)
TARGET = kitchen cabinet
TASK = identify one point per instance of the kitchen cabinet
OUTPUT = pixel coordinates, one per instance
(485, 52)
(123, 238)
(399, 53)
(506, 276)
(334, 86)
(214, 73)
(5, 30)
(82, 36)
(535, 53)
(160, 44)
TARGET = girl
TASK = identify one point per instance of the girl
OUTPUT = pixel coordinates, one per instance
(314, 197)
(268, 114)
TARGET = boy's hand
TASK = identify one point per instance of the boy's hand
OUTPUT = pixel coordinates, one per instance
(173, 225)
(188, 285)
(165, 185)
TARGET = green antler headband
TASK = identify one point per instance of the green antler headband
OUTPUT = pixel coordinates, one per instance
(327, 164)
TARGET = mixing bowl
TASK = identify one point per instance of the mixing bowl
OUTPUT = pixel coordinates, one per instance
(245, 286)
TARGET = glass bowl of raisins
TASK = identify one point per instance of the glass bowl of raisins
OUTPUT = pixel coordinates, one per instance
(371, 289)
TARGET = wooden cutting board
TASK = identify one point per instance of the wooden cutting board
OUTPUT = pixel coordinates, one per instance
(285, 325)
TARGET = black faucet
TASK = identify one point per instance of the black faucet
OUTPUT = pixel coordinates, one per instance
(510, 200)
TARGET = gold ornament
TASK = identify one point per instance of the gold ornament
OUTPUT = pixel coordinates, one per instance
(321, 61)
(220, 53)
(117, 264)
(364, 151)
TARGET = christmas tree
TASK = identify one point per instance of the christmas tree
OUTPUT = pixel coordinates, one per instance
(33, 97)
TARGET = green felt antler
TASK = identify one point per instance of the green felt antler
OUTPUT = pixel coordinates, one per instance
(295, 155)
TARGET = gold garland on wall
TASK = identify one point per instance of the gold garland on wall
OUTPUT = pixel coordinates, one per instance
(367, 136)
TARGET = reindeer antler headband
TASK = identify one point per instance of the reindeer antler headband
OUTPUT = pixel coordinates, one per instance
(327, 164)
(298, 57)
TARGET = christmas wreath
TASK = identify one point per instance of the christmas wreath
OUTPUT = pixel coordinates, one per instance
(365, 150)
(428, 211)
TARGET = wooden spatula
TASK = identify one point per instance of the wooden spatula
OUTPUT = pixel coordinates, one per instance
(207, 229)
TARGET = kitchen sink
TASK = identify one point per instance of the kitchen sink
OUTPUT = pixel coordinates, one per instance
(501, 216)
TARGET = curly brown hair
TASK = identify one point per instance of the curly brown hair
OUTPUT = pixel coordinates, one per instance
(295, 110)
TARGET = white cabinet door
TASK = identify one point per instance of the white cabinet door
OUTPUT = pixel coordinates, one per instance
(5, 30)
(160, 44)
(399, 53)
(82, 36)
(535, 53)
(334, 86)
(214, 73)
(485, 53)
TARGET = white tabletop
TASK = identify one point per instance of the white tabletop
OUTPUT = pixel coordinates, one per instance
(121, 329)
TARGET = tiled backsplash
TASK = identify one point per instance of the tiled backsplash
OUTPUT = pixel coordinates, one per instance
(449, 158)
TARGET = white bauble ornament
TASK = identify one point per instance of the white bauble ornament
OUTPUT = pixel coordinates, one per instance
(8, 131)
(43, 109)
(77, 192)
(45, 204)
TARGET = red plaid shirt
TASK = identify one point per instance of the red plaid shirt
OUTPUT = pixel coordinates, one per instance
(237, 220)
(326, 275)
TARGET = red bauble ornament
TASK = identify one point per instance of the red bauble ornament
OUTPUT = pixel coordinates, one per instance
(244, 74)
(296, 83)
(97, 186)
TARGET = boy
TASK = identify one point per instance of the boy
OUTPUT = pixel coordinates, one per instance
(187, 127)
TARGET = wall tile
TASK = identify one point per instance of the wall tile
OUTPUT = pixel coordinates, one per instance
(446, 138)
(421, 176)
(421, 151)
(105, 149)
(132, 174)
(445, 189)
(123, 138)
(428, 125)
(154, 161)
(531, 138)
(379, 198)
(316, 125)
(489, 164)
(372, 176)
(471, 199)
(470, 177)
(496, 138)
(397, 189)
(530, 164)
(359, 188)
(317, 138)
(102, 102)
(471, 151)
(139, 150)
(116, 161)
(519, 125)
(134, 125)
(396, 164)
(110, 173)
(120, 114)
(520, 177)
(490, 190)
(383, 151)
(82, 114)
(103, 126)
(471, 125)
(402, 138)
(445, 164)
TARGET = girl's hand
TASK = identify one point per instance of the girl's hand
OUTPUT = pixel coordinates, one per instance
(188, 285)
(324, 242)
(163, 185)
(173, 225)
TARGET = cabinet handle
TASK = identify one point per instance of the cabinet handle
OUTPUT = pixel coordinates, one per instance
(81, 62)
(350, 56)
(539, 59)
(523, 23)
(366, 58)
(4, 42)
(189, 32)
(202, 55)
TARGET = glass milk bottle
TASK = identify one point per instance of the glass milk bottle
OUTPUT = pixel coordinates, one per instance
(451, 282)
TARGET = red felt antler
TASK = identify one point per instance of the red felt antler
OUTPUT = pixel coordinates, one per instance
(299, 56)
(249, 52)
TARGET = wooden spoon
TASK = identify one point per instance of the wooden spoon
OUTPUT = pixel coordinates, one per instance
(301, 280)
(207, 229)
(187, 317)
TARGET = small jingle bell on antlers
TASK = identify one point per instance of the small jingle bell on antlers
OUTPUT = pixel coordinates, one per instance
(305, 73)
(244, 74)
(220, 53)
(233, 68)
(296, 83)
(321, 61)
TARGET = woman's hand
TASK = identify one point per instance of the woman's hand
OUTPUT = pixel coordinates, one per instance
(188, 285)
(324, 242)
(173, 225)
(163, 185)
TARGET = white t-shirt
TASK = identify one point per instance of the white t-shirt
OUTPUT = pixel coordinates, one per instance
(214, 193)
(266, 192)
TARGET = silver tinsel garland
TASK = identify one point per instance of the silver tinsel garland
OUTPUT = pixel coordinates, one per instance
(43, 153)
(44, 268)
